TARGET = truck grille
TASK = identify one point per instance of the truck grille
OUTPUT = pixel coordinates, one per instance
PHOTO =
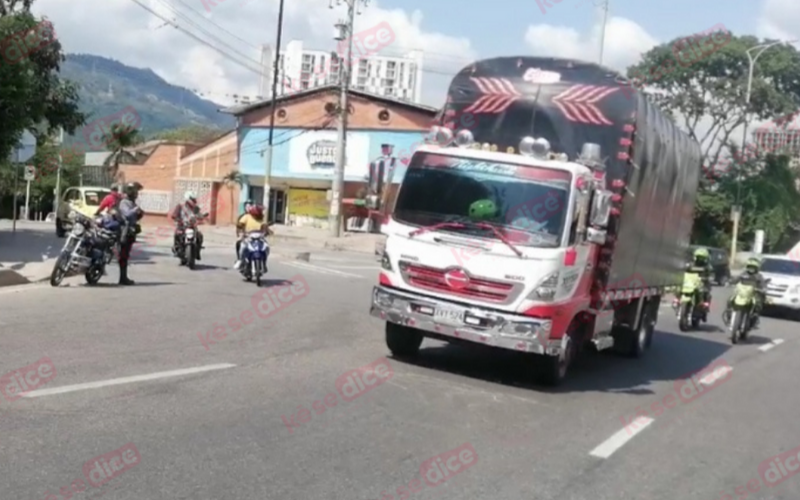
(436, 280)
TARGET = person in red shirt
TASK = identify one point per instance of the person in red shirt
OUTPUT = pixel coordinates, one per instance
(110, 201)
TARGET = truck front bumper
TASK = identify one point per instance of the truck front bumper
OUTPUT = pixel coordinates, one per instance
(474, 324)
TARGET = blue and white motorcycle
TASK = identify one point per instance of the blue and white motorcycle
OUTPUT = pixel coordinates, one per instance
(254, 262)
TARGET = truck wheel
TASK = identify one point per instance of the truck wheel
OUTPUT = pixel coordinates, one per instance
(403, 341)
(635, 341)
(552, 370)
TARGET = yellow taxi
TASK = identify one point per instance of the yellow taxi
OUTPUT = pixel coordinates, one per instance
(85, 199)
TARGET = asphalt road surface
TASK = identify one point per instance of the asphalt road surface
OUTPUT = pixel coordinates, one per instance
(134, 391)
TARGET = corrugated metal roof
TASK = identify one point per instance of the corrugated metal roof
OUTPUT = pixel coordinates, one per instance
(96, 159)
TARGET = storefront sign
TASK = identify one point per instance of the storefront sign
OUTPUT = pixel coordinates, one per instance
(322, 155)
(308, 202)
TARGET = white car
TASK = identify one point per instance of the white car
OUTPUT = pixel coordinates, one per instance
(784, 287)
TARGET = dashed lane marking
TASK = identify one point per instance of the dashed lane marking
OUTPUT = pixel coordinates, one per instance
(767, 347)
(618, 440)
(125, 380)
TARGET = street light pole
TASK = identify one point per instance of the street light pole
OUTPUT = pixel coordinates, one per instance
(273, 97)
(603, 30)
(737, 209)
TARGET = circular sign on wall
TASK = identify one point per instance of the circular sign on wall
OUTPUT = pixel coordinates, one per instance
(322, 155)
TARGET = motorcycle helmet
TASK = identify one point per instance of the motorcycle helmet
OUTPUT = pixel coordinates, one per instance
(701, 255)
(132, 190)
(256, 211)
(752, 266)
(190, 196)
(482, 210)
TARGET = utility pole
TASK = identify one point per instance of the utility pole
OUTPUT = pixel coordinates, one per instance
(273, 97)
(57, 191)
(345, 34)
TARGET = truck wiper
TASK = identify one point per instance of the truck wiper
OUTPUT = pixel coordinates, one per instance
(467, 225)
(434, 227)
(500, 236)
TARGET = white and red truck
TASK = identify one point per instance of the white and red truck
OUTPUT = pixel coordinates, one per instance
(558, 220)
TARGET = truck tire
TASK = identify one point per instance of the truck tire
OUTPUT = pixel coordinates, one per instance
(552, 370)
(403, 341)
(635, 341)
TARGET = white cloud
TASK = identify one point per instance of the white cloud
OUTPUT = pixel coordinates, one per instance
(125, 31)
(780, 19)
(625, 42)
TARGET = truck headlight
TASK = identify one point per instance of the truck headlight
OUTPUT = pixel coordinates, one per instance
(526, 330)
(386, 263)
(795, 289)
(546, 289)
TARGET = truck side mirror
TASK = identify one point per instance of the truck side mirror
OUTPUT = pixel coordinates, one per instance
(601, 208)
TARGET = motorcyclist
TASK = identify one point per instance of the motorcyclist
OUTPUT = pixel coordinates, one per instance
(701, 265)
(239, 233)
(110, 200)
(181, 214)
(252, 221)
(751, 276)
(129, 214)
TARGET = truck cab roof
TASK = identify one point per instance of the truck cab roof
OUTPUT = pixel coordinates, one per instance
(575, 169)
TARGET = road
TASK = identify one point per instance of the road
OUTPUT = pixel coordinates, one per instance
(198, 415)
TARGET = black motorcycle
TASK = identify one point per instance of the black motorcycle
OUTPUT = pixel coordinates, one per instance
(89, 249)
(187, 247)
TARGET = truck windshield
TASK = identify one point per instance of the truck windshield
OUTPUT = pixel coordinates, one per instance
(528, 203)
(781, 266)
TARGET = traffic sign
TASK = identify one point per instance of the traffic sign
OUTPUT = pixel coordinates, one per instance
(26, 148)
(30, 172)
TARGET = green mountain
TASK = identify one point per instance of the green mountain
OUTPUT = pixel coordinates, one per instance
(107, 86)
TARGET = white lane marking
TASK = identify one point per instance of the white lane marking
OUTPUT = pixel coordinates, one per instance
(321, 270)
(767, 347)
(125, 380)
(717, 374)
(618, 440)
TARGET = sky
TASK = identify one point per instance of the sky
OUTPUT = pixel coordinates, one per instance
(451, 34)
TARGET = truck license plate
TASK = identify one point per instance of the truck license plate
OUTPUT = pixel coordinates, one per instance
(449, 316)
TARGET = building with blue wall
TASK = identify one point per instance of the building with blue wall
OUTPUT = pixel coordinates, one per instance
(304, 157)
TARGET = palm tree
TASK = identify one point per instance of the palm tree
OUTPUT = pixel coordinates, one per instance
(119, 141)
(230, 180)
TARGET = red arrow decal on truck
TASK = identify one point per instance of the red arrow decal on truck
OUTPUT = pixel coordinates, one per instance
(498, 94)
(578, 103)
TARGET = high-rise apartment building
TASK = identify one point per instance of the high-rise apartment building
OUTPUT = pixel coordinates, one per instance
(779, 140)
(302, 69)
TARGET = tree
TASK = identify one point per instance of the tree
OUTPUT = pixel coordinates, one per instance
(231, 180)
(32, 95)
(119, 141)
(701, 81)
(192, 133)
(769, 198)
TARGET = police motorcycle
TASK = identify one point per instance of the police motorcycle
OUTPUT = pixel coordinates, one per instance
(739, 318)
(187, 248)
(89, 248)
(254, 263)
(688, 305)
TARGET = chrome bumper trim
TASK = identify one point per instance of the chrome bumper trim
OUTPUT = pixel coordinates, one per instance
(494, 328)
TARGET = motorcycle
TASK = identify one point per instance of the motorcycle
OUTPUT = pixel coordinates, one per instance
(741, 313)
(88, 250)
(188, 248)
(688, 306)
(255, 263)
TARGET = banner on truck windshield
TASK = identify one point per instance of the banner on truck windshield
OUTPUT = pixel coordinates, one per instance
(487, 167)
